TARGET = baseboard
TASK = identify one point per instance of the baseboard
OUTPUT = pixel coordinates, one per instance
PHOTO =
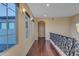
(41, 37)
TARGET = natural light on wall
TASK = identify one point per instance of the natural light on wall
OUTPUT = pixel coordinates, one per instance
(77, 27)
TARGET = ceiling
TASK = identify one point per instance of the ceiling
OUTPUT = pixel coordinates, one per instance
(54, 9)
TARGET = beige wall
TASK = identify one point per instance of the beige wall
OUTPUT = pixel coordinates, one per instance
(24, 44)
(57, 25)
(75, 19)
(36, 29)
(64, 26)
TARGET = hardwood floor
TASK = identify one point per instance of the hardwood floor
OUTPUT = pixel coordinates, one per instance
(42, 47)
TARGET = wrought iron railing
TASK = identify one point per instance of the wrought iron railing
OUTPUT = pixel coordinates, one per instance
(70, 46)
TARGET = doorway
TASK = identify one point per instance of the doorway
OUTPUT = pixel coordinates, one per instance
(41, 30)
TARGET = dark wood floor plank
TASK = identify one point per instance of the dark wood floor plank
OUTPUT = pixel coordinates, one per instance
(42, 48)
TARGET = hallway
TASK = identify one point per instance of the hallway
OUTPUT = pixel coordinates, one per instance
(42, 47)
(32, 29)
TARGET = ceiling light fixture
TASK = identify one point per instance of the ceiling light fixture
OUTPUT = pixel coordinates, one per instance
(47, 5)
(23, 9)
(77, 27)
(31, 18)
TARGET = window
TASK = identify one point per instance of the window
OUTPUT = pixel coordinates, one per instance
(27, 26)
(2, 10)
(7, 26)
(11, 25)
(12, 7)
(3, 26)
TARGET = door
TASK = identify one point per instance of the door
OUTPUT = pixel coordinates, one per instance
(41, 30)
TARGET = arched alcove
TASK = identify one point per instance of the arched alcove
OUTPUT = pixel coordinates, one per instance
(41, 29)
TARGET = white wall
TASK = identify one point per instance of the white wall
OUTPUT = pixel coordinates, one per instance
(74, 34)
(23, 45)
